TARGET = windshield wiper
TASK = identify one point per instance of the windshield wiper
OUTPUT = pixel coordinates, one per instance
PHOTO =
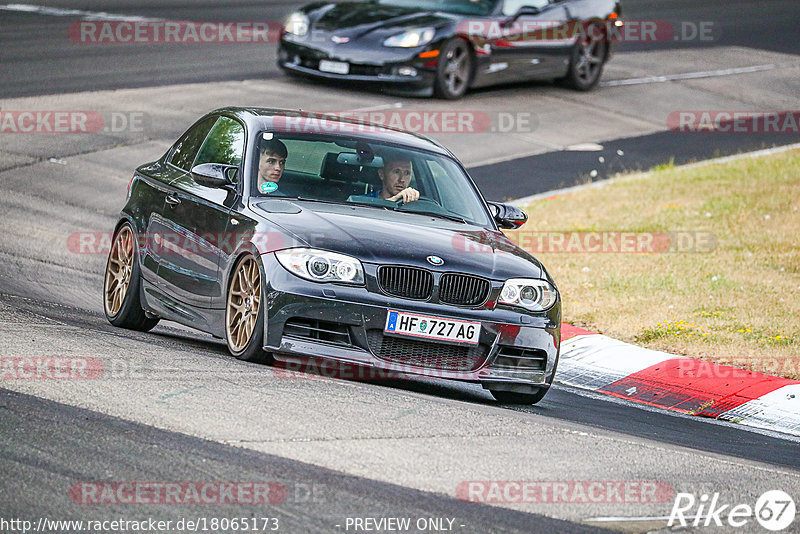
(435, 214)
(306, 199)
(337, 202)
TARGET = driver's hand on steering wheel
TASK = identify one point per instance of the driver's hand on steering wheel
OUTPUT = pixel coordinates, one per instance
(409, 194)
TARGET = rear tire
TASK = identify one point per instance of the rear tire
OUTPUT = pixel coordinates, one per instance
(122, 284)
(454, 72)
(244, 312)
(512, 397)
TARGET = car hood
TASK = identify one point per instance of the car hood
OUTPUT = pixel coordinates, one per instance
(387, 237)
(355, 20)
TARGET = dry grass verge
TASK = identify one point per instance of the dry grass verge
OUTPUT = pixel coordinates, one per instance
(720, 276)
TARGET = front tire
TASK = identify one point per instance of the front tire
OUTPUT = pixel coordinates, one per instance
(122, 284)
(244, 312)
(587, 59)
(512, 397)
(454, 72)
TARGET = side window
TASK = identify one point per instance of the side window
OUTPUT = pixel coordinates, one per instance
(224, 144)
(186, 148)
(511, 7)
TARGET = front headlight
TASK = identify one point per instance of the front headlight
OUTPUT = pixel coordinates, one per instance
(321, 266)
(411, 38)
(531, 294)
(297, 24)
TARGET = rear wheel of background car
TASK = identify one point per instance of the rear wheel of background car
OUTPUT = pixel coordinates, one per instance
(587, 59)
(512, 397)
(454, 71)
(122, 284)
(244, 312)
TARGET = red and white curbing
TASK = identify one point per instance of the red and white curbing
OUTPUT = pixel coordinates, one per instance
(598, 363)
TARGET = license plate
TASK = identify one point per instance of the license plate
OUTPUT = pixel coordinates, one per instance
(433, 328)
(336, 67)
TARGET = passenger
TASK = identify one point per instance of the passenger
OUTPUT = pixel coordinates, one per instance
(271, 164)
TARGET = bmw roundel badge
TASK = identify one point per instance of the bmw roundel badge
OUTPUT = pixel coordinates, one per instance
(435, 260)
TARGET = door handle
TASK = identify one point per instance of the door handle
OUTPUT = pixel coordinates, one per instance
(173, 200)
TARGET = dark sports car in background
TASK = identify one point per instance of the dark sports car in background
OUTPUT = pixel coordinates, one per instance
(444, 47)
(316, 262)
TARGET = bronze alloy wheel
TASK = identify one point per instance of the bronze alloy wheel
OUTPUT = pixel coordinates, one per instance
(118, 271)
(244, 302)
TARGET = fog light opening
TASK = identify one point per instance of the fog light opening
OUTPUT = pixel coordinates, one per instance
(407, 71)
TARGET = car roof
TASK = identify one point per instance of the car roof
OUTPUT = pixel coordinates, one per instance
(265, 119)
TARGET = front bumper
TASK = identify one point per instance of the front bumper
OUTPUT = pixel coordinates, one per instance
(360, 315)
(301, 58)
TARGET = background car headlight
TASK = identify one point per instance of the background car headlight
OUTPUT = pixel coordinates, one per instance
(297, 24)
(411, 38)
(531, 294)
(321, 266)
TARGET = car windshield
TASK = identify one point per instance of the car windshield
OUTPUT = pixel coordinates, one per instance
(346, 170)
(463, 7)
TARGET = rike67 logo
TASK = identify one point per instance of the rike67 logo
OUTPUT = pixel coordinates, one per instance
(774, 510)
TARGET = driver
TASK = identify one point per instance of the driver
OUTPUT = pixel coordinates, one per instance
(395, 178)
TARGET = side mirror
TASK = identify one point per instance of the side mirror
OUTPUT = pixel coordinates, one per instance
(523, 11)
(507, 217)
(215, 175)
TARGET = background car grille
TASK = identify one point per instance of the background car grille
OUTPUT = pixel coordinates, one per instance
(463, 289)
(406, 282)
(426, 354)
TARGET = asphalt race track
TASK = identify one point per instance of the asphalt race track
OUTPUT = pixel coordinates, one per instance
(43, 61)
(172, 406)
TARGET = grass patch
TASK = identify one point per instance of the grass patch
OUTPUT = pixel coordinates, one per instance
(732, 299)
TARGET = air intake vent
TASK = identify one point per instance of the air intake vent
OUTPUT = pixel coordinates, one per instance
(317, 330)
(463, 290)
(406, 282)
(426, 354)
(523, 359)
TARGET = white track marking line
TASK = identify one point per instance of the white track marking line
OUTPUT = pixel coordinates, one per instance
(602, 183)
(62, 12)
(396, 105)
(646, 518)
(689, 75)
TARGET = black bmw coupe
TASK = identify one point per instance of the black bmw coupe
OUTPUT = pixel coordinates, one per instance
(444, 47)
(291, 234)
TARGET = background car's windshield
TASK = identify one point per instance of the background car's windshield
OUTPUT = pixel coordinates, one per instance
(466, 7)
(348, 170)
